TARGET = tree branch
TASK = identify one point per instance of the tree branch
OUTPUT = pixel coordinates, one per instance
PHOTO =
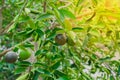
(44, 6)
(7, 50)
(3, 31)
(1, 16)
(68, 4)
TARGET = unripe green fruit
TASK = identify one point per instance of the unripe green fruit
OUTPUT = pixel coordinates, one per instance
(60, 39)
(24, 54)
(70, 41)
(11, 57)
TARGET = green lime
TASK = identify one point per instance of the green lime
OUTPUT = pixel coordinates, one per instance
(24, 54)
(70, 41)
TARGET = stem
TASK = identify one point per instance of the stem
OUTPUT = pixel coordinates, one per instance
(13, 21)
(44, 6)
(91, 17)
(68, 4)
(86, 14)
(7, 50)
(1, 16)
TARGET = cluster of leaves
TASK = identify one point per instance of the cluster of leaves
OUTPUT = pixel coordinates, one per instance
(91, 28)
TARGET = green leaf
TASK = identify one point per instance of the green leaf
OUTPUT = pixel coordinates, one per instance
(105, 59)
(19, 70)
(44, 16)
(34, 11)
(43, 71)
(67, 13)
(22, 77)
(22, 33)
(59, 73)
(72, 35)
(55, 65)
(86, 40)
(41, 52)
(28, 45)
(70, 41)
(57, 14)
(29, 32)
(77, 59)
(79, 2)
(117, 35)
(77, 29)
(31, 23)
(58, 29)
(51, 35)
(108, 32)
(68, 25)
(38, 52)
(40, 32)
(118, 70)
(36, 75)
(70, 52)
(94, 32)
(27, 10)
(63, 78)
(41, 64)
(23, 18)
(93, 57)
(12, 27)
(112, 78)
(87, 76)
(24, 63)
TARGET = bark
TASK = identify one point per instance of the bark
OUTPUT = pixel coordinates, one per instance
(1, 18)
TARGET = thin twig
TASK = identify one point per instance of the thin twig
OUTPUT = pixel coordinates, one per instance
(44, 6)
(54, 25)
(7, 50)
(86, 14)
(68, 4)
(1, 16)
(13, 21)
(91, 17)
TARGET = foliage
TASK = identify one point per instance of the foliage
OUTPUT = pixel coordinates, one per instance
(92, 31)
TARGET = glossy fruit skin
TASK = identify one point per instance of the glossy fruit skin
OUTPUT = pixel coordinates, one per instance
(60, 39)
(10, 57)
(24, 54)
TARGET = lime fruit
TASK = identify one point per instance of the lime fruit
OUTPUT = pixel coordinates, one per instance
(70, 41)
(24, 54)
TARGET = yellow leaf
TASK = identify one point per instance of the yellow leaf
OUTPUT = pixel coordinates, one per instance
(67, 25)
